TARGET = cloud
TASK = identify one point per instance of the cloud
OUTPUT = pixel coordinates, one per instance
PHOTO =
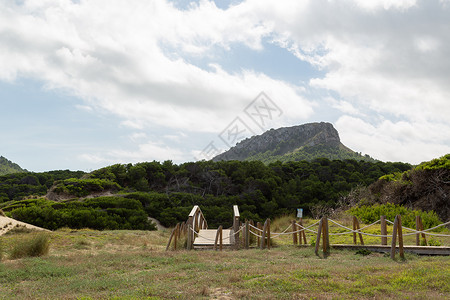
(385, 60)
(119, 64)
(146, 151)
(393, 141)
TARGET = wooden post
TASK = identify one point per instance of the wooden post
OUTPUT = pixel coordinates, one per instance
(324, 233)
(219, 238)
(268, 233)
(236, 223)
(383, 230)
(170, 239)
(418, 229)
(263, 236)
(319, 231)
(189, 236)
(258, 225)
(394, 237)
(356, 227)
(177, 229)
(294, 234)
(247, 234)
(302, 233)
(400, 237)
(423, 234)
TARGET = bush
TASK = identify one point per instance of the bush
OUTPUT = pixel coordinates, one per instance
(369, 214)
(38, 245)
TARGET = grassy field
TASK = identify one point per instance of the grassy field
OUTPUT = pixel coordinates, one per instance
(87, 264)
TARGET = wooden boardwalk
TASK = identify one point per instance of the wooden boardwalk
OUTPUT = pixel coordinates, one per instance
(206, 238)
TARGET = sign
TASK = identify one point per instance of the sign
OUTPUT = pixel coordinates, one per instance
(299, 212)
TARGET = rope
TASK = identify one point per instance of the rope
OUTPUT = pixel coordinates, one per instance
(260, 230)
(260, 236)
(354, 231)
(275, 235)
(306, 228)
(424, 231)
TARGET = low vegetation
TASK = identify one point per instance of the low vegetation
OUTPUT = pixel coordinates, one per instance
(31, 246)
(88, 264)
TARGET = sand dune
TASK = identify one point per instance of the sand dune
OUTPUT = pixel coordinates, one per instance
(6, 224)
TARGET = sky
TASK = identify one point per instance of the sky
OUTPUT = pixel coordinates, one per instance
(89, 83)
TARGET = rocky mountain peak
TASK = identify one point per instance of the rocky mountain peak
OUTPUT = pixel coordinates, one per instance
(284, 140)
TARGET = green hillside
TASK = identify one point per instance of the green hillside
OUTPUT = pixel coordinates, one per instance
(8, 167)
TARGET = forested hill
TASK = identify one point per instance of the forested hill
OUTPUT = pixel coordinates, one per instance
(121, 195)
(302, 142)
(8, 167)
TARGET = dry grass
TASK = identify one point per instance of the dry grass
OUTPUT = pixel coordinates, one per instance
(134, 265)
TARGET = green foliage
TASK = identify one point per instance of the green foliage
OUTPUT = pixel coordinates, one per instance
(8, 167)
(369, 214)
(437, 163)
(96, 213)
(167, 191)
(21, 185)
(37, 245)
(309, 153)
(433, 242)
(84, 187)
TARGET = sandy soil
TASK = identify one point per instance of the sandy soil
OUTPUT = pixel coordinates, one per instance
(6, 224)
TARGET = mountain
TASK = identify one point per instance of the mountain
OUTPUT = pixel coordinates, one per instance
(8, 167)
(302, 142)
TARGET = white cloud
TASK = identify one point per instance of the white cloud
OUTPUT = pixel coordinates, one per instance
(118, 63)
(147, 151)
(385, 59)
(393, 141)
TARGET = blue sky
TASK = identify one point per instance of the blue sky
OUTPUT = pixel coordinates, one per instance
(85, 84)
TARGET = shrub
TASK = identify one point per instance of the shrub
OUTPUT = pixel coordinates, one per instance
(368, 214)
(37, 245)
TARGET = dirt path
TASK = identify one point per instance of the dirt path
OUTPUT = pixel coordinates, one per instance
(158, 224)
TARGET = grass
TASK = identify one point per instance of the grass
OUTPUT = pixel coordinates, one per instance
(31, 246)
(87, 264)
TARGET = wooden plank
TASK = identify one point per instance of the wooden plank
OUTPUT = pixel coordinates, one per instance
(236, 211)
(193, 211)
(206, 237)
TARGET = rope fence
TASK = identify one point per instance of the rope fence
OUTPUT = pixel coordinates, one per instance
(192, 229)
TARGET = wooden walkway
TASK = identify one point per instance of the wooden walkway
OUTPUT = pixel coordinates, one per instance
(206, 238)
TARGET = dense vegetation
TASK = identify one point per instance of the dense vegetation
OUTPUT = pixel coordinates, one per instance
(310, 153)
(8, 167)
(167, 191)
(426, 187)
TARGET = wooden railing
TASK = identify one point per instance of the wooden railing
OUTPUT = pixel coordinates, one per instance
(195, 222)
